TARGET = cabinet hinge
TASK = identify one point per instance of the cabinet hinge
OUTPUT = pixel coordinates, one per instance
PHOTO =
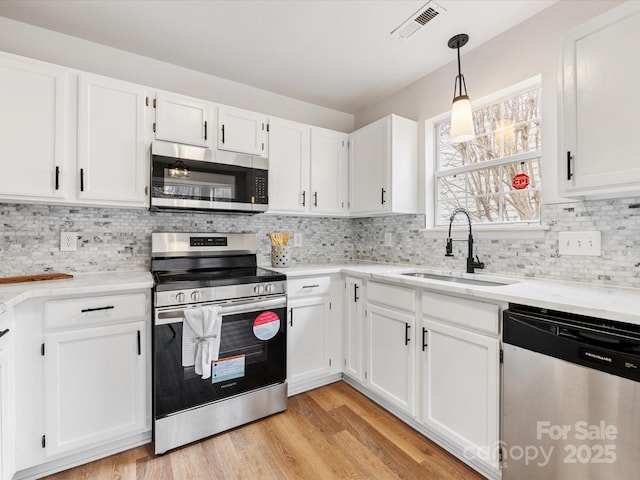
(44, 441)
(146, 190)
(146, 101)
(154, 103)
(500, 454)
(501, 356)
(345, 362)
(267, 128)
(330, 307)
(263, 146)
(365, 374)
(42, 349)
(343, 143)
(154, 127)
(329, 362)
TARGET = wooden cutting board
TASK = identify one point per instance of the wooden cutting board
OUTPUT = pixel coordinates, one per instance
(34, 278)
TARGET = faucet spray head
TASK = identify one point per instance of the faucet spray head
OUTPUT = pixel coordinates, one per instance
(449, 248)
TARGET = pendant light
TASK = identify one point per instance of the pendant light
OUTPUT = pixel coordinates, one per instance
(461, 118)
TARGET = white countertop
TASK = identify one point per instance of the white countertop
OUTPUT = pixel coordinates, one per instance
(612, 303)
(81, 283)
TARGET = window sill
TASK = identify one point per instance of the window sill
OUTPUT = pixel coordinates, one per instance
(501, 232)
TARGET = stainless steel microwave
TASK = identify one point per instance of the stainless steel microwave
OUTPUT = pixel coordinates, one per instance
(187, 177)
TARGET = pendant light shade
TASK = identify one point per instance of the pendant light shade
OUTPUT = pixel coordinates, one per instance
(462, 129)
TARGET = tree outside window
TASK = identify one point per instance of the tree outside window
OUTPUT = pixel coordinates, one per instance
(480, 175)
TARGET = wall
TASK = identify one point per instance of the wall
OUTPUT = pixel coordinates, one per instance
(528, 49)
(39, 43)
(118, 239)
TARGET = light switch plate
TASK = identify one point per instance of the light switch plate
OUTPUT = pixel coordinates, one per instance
(580, 243)
(388, 239)
(297, 239)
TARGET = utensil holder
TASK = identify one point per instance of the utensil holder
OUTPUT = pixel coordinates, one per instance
(280, 256)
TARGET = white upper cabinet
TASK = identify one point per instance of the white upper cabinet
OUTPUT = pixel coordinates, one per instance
(183, 119)
(289, 152)
(243, 131)
(113, 141)
(35, 107)
(329, 171)
(600, 73)
(384, 168)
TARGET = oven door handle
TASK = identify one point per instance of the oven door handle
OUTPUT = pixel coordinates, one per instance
(173, 315)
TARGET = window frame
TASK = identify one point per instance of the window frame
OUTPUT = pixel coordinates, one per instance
(514, 229)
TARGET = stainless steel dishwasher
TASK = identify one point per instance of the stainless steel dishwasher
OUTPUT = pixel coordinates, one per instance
(571, 397)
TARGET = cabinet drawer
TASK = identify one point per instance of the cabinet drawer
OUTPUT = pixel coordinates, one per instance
(305, 287)
(467, 313)
(96, 309)
(396, 297)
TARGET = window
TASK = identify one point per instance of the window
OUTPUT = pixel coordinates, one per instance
(496, 176)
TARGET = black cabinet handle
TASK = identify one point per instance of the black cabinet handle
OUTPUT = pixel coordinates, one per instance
(205, 129)
(222, 133)
(315, 199)
(424, 341)
(355, 293)
(291, 317)
(109, 307)
(569, 172)
(383, 200)
(406, 333)
(57, 178)
(4, 332)
(304, 198)
(82, 179)
(311, 286)
(139, 348)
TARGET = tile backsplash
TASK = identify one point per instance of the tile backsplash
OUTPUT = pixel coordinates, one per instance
(118, 239)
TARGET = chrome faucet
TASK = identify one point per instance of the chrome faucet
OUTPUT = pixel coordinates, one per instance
(471, 263)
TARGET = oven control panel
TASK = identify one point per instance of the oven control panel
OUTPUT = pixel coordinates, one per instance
(228, 292)
(208, 241)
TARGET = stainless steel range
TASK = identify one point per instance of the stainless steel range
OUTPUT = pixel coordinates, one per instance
(219, 336)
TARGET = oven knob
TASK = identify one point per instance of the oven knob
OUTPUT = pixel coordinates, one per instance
(195, 295)
(268, 288)
(258, 289)
(180, 297)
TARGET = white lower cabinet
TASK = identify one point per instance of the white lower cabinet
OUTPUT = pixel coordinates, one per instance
(94, 385)
(391, 357)
(354, 328)
(7, 413)
(459, 378)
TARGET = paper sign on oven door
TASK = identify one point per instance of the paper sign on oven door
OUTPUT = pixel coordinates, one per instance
(227, 369)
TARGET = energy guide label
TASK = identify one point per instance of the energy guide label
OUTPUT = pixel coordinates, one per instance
(266, 325)
(227, 369)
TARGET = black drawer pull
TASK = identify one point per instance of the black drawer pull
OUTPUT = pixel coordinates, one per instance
(569, 172)
(109, 307)
(57, 178)
(205, 129)
(383, 200)
(82, 179)
(4, 332)
(406, 333)
(315, 199)
(222, 133)
(291, 317)
(355, 293)
(139, 346)
(310, 286)
(424, 340)
(304, 198)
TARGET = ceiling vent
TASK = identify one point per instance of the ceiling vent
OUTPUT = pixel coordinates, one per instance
(415, 22)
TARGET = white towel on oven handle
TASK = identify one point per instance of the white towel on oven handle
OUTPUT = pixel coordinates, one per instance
(201, 338)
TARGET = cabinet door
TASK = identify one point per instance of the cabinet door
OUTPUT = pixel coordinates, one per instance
(369, 152)
(94, 386)
(7, 414)
(288, 166)
(354, 332)
(242, 131)
(391, 356)
(329, 167)
(308, 339)
(600, 126)
(460, 387)
(113, 142)
(34, 134)
(182, 119)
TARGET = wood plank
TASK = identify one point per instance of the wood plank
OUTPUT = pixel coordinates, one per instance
(35, 278)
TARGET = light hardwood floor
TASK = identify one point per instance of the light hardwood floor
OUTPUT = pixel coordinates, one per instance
(329, 433)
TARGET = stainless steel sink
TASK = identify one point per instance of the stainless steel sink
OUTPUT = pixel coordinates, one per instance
(447, 278)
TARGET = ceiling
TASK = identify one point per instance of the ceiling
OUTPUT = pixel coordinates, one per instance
(334, 53)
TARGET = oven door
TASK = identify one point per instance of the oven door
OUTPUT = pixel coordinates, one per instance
(252, 355)
(218, 181)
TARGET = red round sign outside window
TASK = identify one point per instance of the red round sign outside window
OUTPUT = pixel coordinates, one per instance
(520, 181)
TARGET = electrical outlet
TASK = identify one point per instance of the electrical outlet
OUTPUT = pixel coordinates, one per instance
(68, 241)
(297, 239)
(388, 239)
(580, 243)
